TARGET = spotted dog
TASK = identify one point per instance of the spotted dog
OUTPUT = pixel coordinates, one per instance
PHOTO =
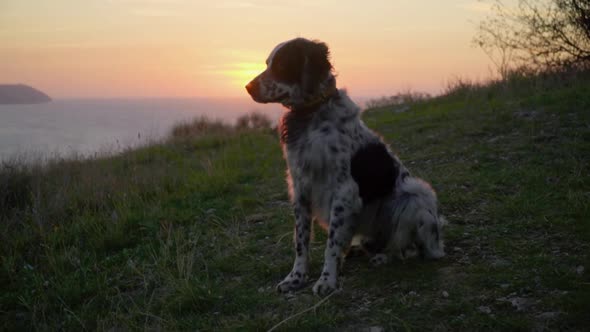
(340, 173)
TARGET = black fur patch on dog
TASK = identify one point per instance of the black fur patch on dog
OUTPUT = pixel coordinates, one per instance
(298, 57)
(374, 170)
(292, 126)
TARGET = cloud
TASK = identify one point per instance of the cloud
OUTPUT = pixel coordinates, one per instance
(265, 4)
(153, 8)
(147, 1)
(234, 67)
(236, 5)
(476, 6)
(157, 12)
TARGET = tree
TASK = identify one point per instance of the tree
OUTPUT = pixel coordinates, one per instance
(543, 34)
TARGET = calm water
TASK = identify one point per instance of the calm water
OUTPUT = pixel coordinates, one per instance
(87, 126)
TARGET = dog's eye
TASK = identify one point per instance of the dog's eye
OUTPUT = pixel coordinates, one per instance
(280, 71)
(283, 71)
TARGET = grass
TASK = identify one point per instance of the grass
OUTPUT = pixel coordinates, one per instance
(194, 232)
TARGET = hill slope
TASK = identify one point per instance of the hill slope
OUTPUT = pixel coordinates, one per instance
(21, 94)
(197, 232)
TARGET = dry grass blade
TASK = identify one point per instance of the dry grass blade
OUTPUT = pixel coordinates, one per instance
(304, 311)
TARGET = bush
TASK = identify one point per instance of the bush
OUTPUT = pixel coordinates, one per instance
(199, 127)
(401, 98)
(253, 120)
(546, 35)
(203, 126)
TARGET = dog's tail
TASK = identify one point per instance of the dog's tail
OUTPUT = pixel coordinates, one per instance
(416, 219)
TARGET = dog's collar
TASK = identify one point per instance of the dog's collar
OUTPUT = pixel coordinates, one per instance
(312, 103)
(322, 97)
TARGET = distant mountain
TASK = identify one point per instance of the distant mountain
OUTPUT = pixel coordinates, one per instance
(21, 94)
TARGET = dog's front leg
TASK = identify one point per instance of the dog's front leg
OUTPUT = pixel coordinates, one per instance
(298, 275)
(344, 214)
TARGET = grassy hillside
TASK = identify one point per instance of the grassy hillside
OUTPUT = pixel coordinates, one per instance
(195, 232)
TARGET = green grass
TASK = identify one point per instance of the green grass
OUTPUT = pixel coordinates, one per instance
(195, 232)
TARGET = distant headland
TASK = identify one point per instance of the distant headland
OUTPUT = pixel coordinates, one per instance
(21, 94)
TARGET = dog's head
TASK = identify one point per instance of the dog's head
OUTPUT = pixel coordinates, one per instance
(296, 70)
(429, 237)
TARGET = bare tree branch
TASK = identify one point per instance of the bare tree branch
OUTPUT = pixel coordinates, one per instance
(542, 34)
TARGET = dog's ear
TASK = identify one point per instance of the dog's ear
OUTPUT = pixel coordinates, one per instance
(317, 66)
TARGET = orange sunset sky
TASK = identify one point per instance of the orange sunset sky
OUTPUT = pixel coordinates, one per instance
(191, 48)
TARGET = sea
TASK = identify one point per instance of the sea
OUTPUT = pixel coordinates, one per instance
(87, 127)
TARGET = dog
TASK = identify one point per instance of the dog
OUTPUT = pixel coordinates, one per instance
(339, 172)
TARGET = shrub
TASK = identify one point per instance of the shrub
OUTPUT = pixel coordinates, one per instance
(547, 34)
(253, 120)
(199, 127)
(401, 98)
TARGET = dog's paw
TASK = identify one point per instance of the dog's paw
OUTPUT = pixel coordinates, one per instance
(325, 285)
(378, 259)
(294, 281)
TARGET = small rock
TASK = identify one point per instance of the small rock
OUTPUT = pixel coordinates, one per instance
(547, 315)
(500, 262)
(258, 217)
(412, 293)
(519, 303)
(525, 114)
(445, 294)
(484, 309)
(580, 270)
(552, 180)
(373, 329)
(401, 109)
(504, 286)
(494, 139)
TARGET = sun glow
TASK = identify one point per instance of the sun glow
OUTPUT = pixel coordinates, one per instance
(243, 72)
(177, 48)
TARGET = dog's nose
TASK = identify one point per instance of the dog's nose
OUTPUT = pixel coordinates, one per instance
(251, 87)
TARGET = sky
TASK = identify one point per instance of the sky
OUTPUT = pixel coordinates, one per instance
(193, 48)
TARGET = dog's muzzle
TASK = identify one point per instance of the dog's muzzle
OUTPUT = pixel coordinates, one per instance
(258, 90)
(253, 89)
